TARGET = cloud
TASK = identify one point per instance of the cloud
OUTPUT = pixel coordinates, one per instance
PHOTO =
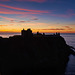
(68, 13)
(4, 0)
(64, 15)
(3, 25)
(35, 11)
(60, 15)
(54, 29)
(23, 21)
(16, 21)
(67, 27)
(38, 1)
(7, 18)
(22, 11)
(7, 11)
(12, 21)
(34, 19)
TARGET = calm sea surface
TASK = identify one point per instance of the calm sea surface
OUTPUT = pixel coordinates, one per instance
(70, 40)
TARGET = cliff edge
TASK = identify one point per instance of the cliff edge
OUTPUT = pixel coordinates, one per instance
(34, 55)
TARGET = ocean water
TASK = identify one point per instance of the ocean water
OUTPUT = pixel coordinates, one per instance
(70, 40)
(7, 35)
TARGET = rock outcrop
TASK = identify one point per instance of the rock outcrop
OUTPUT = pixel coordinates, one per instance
(36, 55)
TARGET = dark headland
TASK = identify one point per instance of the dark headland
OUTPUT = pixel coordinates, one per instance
(34, 54)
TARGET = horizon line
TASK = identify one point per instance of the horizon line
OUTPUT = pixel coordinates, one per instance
(32, 32)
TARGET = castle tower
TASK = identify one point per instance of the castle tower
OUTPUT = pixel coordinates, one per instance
(29, 33)
(23, 32)
(26, 33)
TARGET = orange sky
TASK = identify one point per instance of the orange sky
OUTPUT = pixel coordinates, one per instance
(35, 26)
(39, 15)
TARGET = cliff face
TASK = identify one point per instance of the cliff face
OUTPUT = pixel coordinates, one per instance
(35, 55)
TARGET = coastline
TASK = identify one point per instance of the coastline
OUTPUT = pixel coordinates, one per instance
(50, 49)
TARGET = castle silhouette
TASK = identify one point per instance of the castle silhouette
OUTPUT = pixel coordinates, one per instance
(28, 33)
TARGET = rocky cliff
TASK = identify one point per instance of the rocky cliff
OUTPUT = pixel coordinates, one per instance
(36, 55)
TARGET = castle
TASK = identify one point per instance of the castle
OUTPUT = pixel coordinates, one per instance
(26, 33)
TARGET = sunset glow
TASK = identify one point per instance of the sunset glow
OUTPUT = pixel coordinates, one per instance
(48, 16)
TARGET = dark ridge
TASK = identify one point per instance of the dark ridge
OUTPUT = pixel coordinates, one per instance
(34, 54)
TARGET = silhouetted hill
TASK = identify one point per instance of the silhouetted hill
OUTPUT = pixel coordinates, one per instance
(35, 55)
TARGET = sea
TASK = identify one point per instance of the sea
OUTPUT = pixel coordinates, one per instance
(70, 40)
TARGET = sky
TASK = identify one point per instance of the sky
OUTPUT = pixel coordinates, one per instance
(48, 16)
